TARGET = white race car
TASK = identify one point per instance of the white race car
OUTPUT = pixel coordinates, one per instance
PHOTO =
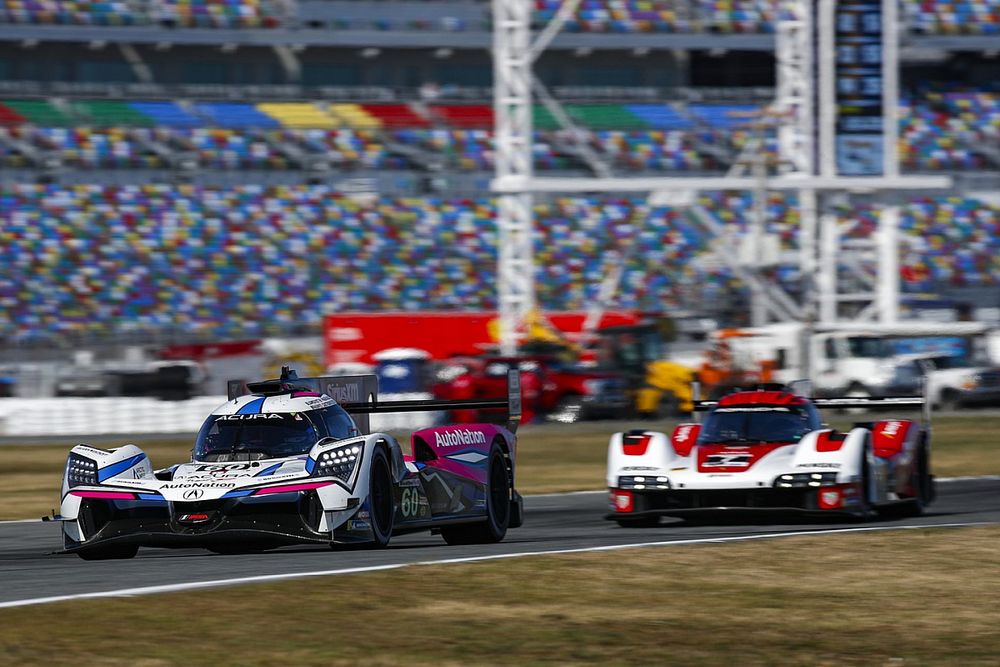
(767, 450)
(288, 464)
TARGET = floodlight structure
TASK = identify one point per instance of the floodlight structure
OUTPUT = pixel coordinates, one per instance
(814, 151)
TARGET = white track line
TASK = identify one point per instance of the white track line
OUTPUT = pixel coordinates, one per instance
(939, 480)
(216, 583)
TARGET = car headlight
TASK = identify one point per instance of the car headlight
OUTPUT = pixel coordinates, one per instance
(969, 382)
(339, 462)
(644, 482)
(800, 480)
(80, 471)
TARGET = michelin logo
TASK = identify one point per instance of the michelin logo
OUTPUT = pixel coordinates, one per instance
(459, 437)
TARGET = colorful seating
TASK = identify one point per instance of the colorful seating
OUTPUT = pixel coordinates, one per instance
(299, 115)
(252, 260)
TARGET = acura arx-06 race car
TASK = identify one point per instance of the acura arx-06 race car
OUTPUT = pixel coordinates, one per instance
(288, 464)
(767, 450)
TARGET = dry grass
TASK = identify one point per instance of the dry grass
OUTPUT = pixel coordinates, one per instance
(925, 597)
(551, 458)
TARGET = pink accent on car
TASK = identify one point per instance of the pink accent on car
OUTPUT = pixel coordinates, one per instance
(305, 394)
(290, 488)
(106, 495)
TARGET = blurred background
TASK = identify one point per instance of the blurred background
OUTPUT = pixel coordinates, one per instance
(193, 191)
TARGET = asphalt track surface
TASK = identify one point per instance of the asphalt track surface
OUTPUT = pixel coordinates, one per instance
(565, 522)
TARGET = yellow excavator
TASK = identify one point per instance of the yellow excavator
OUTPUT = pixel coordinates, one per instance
(660, 387)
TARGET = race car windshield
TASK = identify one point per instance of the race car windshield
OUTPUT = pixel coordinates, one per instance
(738, 425)
(254, 437)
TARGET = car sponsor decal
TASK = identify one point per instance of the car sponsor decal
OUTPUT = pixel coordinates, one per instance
(818, 465)
(319, 403)
(198, 485)
(459, 437)
(257, 416)
(725, 458)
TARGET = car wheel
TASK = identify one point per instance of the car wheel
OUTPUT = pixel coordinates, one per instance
(568, 410)
(865, 509)
(109, 552)
(380, 502)
(922, 483)
(856, 391)
(498, 491)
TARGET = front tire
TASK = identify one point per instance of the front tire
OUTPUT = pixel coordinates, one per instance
(498, 501)
(380, 502)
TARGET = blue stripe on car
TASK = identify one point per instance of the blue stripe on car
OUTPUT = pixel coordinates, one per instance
(118, 468)
(310, 464)
(238, 494)
(269, 471)
(154, 497)
(253, 407)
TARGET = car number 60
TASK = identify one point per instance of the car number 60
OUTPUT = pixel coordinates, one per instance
(410, 502)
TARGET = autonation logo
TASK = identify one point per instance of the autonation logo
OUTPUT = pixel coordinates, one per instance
(460, 437)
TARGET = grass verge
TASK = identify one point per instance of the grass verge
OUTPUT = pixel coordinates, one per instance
(551, 458)
(920, 597)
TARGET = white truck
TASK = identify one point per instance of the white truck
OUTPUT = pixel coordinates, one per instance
(852, 359)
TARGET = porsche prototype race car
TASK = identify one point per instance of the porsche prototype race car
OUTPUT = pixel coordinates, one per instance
(288, 464)
(767, 450)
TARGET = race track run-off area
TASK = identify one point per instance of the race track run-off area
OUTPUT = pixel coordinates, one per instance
(556, 523)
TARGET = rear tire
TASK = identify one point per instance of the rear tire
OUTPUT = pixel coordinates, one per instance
(922, 484)
(865, 510)
(380, 502)
(109, 552)
(498, 500)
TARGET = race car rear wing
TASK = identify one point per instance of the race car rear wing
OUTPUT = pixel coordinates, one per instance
(358, 395)
(868, 402)
(804, 388)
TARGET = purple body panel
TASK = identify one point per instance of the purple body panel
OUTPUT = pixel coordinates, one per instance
(464, 449)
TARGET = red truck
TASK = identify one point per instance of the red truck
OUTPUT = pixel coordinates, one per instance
(550, 389)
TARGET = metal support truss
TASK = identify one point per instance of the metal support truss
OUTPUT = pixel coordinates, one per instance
(512, 110)
(806, 108)
(793, 100)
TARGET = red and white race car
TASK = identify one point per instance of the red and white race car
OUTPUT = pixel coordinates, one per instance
(768, 450)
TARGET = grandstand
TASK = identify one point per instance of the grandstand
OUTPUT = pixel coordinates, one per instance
(242, 167)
